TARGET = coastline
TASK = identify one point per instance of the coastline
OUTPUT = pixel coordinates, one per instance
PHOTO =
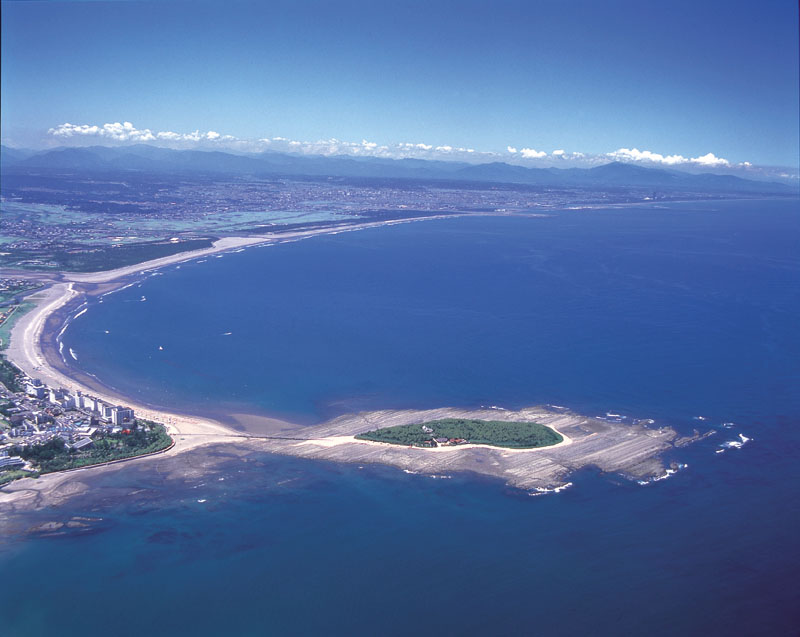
(625, 449)
(630, 450)
(31, 349)
(27, 350)
(231, 243)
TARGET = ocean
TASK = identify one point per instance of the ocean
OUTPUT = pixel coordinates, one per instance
(686, 313)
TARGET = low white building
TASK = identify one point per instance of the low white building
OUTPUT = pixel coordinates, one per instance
(10, 462)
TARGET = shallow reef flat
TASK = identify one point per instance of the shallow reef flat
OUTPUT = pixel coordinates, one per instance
(634, 451)
(630, 450)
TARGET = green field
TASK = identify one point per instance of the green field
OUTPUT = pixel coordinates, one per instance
(497, 433)
(8, 324)
(9, 375)
(18, 291)
(99, 258)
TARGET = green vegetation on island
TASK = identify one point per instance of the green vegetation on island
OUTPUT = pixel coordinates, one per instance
(56, 455)
(455, 431)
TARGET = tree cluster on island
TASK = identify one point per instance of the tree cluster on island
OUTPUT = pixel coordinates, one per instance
(455, 431)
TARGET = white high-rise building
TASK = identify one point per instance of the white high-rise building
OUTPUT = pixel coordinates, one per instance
(35, 388)
(121, 415)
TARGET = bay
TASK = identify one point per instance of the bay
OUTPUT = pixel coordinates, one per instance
(669, 311)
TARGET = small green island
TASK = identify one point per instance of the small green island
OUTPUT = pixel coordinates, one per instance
(450, 432)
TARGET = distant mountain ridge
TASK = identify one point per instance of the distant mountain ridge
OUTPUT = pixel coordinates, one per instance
(152, 159)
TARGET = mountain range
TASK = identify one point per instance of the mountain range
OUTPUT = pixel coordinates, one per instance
(104, 160)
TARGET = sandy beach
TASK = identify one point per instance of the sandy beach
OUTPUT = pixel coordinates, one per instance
(626, 449)
(25, 351)
(30, 342)
(227, 244)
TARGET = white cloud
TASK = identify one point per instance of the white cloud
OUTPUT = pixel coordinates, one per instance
(636, 155)
(117, 131)
(532, 153)
(709, 159)
(126, 132)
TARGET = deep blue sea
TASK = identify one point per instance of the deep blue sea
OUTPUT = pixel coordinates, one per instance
(671, 312)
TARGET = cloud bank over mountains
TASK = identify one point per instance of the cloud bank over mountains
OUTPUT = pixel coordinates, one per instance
(126, 132)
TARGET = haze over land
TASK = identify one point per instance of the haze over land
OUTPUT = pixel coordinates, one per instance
(399, 318)
(535, 84)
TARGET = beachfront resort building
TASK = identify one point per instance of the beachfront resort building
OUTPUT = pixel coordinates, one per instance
(35, 388)
(121, 415)
(10, 462)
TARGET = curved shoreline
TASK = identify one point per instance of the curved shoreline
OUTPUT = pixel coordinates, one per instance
(27, 351)
(626, 449)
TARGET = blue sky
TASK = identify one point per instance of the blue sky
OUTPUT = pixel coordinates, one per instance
(673, 78)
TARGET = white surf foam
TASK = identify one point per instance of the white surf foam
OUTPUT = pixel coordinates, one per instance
(545, 490)
(734, 444)
(664, 476)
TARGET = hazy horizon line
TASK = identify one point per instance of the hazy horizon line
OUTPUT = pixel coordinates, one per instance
(120, 134)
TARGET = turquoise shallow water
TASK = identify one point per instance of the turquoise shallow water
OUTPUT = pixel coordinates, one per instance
(669, 312)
